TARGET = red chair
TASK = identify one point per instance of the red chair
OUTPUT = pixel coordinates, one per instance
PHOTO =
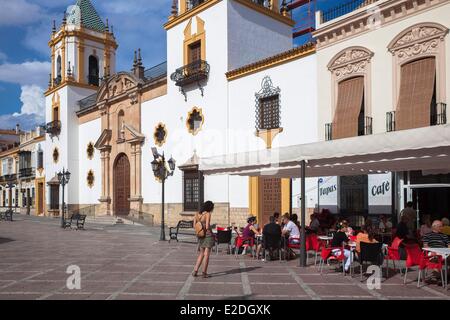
(221, 229)
(414, 257)
(291, 246)
(315, 245)
(327, 255)
(433, 262)
(393, 254)
(245, 243)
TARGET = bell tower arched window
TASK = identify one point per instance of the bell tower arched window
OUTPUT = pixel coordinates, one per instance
(58, 71)
(93, 71)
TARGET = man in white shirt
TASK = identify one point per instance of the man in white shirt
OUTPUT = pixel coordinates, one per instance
(290, 229)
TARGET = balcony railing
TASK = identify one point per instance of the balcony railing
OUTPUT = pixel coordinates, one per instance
(8, 178)
(53, 128)
(194, 72)
(328, 131)
(57, 81)
(26, 173)
(438, 114)
(390, 121)
(342, 9)
(365, 128)
(191, 4)
(93, 80)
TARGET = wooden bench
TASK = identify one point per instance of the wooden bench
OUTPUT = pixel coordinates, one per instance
(7, 215)
(75, 219)
(182, 228)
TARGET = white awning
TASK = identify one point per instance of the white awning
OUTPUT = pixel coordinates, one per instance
(425, 148)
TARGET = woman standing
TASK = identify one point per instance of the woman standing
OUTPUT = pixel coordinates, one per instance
(207, 242)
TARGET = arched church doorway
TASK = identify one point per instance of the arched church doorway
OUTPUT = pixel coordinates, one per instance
(121, 185)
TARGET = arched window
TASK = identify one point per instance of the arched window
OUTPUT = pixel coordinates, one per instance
(58, 70)
(93, 71)
(120, 122)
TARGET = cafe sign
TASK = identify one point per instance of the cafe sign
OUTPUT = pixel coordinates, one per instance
(380, 193)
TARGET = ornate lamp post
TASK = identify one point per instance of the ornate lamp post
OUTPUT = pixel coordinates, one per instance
(10, 185)
(162, 172)
(63, 178)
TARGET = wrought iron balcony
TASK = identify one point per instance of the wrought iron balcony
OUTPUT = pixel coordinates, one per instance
(57, 81)
(53, 128)
(328, 131)
(390, 121)
(343, 9)
(93, 80)
(192, 73)
(365, 128)
(26, 173)
(191, 4)
(438, 114)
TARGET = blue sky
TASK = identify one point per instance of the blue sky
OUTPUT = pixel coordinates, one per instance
(25, 27)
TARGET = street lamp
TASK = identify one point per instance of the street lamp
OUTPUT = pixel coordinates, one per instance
(63, 178)
(10, 185)
(162, 172)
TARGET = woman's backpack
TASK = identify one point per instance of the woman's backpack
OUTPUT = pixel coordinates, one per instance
(199, 227)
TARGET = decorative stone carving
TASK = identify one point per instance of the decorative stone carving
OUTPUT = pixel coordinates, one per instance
(421, 39)
(133, 96)
(350, 61)
(119, 84)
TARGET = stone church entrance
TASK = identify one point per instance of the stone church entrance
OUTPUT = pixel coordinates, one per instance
(121, 185)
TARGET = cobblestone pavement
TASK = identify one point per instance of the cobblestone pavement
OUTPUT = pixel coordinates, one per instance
(128, 262)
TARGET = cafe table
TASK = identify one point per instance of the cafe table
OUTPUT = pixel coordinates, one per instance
(444, 253)
(325, 238)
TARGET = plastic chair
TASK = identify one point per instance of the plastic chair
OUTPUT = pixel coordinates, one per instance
(393, 254)
(370, 252)
(272, 242)
(315, 245)
(431, 261)
(223, 237)
(327, 255)
(244, 243)
(414, 257)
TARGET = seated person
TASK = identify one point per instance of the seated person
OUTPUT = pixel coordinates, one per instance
(385, 225)
(446, 227)
(276, 216)
(402, 228)
(294, 219)
(271, 236)
(290, 230)
(250, 231)
(367, 236)
(339, 240)
(425, 228)
(314, 225)
(436, 239)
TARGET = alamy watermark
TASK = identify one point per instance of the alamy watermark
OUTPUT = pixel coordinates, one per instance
(73, 282)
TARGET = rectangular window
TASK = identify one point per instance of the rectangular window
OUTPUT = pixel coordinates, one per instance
(40, 159)
(349, 114)
(192, 190)
(417, 86)
(54, 197)
(195, 50)
(269, 112)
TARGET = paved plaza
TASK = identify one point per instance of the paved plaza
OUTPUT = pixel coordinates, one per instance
(128, 262)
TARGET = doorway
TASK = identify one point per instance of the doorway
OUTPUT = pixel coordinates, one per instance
(433, 201)
(121, 182)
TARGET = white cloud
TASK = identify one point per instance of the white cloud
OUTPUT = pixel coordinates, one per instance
(33, 102)
(18, 12)
(32, 112)
(26, 73)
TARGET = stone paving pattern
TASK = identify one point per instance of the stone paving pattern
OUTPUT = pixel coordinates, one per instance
(128, 262)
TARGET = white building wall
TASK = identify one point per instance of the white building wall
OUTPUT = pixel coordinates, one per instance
(89, 132)
(253, 36)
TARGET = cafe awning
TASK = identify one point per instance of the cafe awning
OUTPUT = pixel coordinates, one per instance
(426, 148)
